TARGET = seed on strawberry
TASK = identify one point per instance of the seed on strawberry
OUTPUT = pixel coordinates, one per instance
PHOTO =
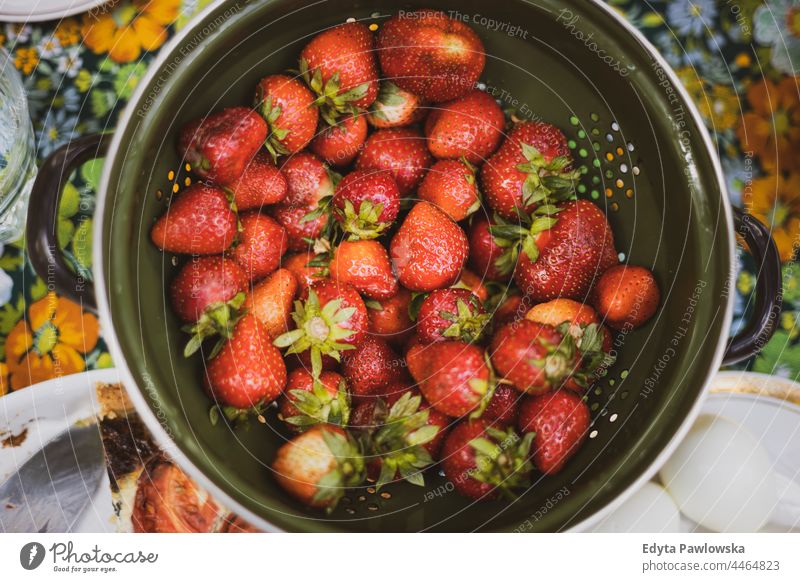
(560, 422)
(317, 466)
(199, 221)
(307, 402)
(366, 203)
(365, 265)
(371, 368)
(451, 314)
(395, 107)
(429, 249)
(339, 144)
(219, 147)
(271, 300)
(627, 296)
(260, 185)
(469, 127)
(262, 243)
(401, 151)
(389, 318)
(288, 107)
(431, 55)
(481, 461)
(452, 187)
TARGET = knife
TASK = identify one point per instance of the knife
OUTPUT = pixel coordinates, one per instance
(51, 490)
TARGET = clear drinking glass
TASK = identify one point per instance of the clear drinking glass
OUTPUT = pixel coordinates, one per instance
(17, 152)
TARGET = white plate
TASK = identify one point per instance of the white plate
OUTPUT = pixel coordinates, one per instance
(45, 411)
(40, 10)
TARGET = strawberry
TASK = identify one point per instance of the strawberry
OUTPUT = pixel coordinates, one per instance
(199, 221)
(429, 250)
(627, 296)
(330, 318)
(365, 265)
(307, 180)
(451, 314)
(219, 147)
(452, 187)
(262, 243)
(261, 184)
(317, 466)
(471, 282)
(340, 67)
(304, 267)
(484, 251)
(401, 152)
(562, 310)
(395, 107)
(431, 55)
(469, 127)
(559, 253)
(366, 203)
(339, 144)
(389, 318)
(511, 310)
(501, 411)
(203, 282)
(298, 227)
(532, 167)
(481, 461)
(452, 375)
(248, 371)
(532, 356)
(289, 109)
(271, 301)
(371, 368)
(560, 421)
(306, 402)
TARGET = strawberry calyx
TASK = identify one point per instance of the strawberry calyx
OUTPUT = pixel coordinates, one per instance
(502, 459)
(551, 180)
(218, 319)
(318, 330)
(594, 361)
(390, 104)
(236, 417)
(350, 469)
(559, 362)
(361, 224)
(514, 238)
(331, 103)
(468, 323)
(276, 134)
(320, 406)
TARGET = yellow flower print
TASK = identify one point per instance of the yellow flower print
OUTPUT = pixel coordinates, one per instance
(129, 28)
(68, 32)
(26, 59)
(50, 342)
(775, 200)
(83, 81)
(720, 106)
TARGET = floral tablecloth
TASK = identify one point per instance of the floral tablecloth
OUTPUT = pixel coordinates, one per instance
(739, 60)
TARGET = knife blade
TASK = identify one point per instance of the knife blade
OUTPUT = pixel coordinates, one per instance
(51, 490)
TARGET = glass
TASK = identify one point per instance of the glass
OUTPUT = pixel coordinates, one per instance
(17, 152)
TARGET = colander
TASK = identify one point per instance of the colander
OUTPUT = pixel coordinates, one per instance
(649, 164)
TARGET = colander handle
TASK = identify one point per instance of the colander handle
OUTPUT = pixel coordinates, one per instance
(769, 290)
(42, 222)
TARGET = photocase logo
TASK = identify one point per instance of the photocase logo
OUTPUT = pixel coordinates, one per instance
(31, 555)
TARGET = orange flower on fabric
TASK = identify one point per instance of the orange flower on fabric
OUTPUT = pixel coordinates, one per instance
(50, 342)
(129, 28)
(775, 200)
(772, 128)
(3, 379)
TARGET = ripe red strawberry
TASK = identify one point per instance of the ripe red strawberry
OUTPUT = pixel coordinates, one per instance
(260, 185)
(451, 314)
(366, 203)
(429, 250)
(300, 265)
(306, 403)
(262, 243)
(511, 310)
(289, 109)
(560, 421)
(484, 251)
(339, 144)
(389, 318)
(340, 67)
(532, 356)
(503, 407)
(271, 300)
(365, 265)
(401, 151)
(471, 282)
(298, 228)
(307, 179)
(532, 167)
(317, 466)
(203, 282)
(452, 375)
(451, 186)
(330, 318)
(395, 107)
(430, 54)
(199, 221)
(371, 368)
(626, 296)
(219, 147)
(248, 371)
(469, 127)
(565, 259)
(481, 461)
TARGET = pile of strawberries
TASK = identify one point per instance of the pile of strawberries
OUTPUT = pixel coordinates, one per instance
(406, 273)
